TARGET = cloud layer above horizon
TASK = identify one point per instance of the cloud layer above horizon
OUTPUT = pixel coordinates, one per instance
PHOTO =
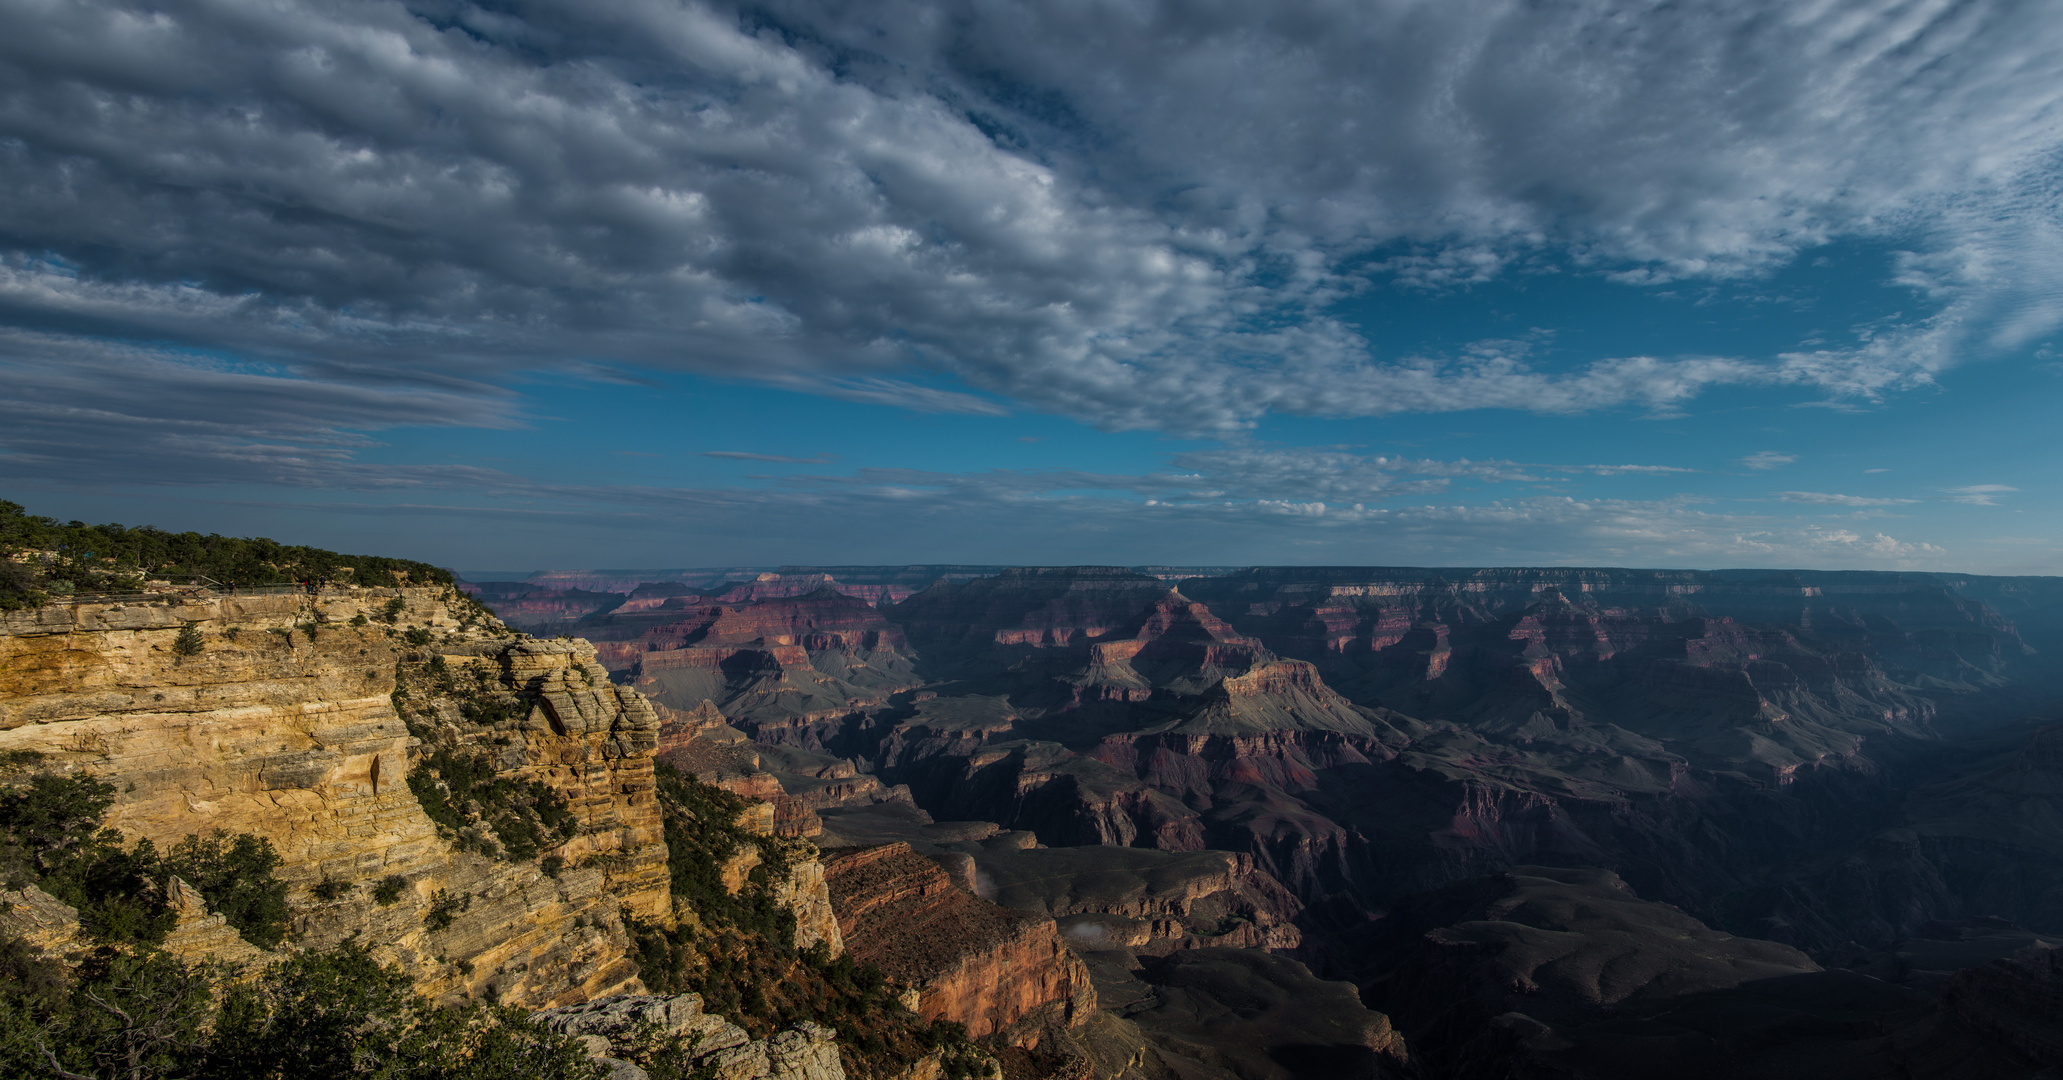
(254, 236)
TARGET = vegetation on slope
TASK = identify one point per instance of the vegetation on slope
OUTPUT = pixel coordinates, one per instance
(458, 784)
(130, 1010)
(50, 837)
(141, 1014)
(41, 557)
(738, 951)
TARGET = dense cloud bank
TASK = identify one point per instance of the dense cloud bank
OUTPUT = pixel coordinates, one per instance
(1135, 214)
(238, 238)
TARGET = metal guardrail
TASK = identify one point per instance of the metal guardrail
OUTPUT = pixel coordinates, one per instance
(180, 592)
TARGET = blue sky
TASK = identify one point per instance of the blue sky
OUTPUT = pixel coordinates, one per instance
(536, 285)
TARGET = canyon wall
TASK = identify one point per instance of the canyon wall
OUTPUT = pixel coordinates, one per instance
(964, 959)
(284, 726)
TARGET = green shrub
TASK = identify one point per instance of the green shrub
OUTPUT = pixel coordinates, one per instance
(329, 889)
(445, 908)
(19, 585)
(115, 558)
(417, 636)
(50, 836)
(334, 1013)
(389, 889)
(188, 641)
(458, 790)
(238, 877)
(390, 613)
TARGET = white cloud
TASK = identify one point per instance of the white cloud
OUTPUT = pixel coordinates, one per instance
(1979, 494)
(1766, 460)
(1817, 498)
(1875, 546)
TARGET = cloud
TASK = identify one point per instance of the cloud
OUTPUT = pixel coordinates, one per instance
(1979, 494)
(1139, 215)
(82, 413)
(1816, 498)
(1766, 460)
(1876, 545)
(820, 459)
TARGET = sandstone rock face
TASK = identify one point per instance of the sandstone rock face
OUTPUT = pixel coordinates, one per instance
(283, 727)
(628, 1026)
(199, 933)
(47, 924)
(970, 961)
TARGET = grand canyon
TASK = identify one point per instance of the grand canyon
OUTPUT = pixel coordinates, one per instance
(1307, 822)
(1143, 823)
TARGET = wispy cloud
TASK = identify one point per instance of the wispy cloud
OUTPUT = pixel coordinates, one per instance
(1818, 498)
(1766, 460)
(778, 459)
(1979, 494)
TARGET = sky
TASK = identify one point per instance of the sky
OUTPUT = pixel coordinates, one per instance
(641, 283)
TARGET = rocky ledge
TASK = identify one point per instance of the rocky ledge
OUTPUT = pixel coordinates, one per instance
(619, 1030)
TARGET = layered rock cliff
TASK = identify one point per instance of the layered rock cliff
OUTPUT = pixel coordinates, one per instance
(284, 726)
(963, 959)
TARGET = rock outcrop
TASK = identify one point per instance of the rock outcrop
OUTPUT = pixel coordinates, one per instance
(617, 1030)
(1148, 901)
(996, 971)
(284, 726)
(778, 666)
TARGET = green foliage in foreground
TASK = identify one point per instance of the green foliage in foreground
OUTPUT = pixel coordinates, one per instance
(338, 1013)
(50, 837)
(66, 557)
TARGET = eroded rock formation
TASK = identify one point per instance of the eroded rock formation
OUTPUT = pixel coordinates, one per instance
(967, 960)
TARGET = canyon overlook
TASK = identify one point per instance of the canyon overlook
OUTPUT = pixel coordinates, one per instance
(1099, 822)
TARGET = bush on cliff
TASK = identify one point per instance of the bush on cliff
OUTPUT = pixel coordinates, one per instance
(336, 1013)
(18, 586)
(464, 790)
(50, 837)
(238, 875)
(101, 558)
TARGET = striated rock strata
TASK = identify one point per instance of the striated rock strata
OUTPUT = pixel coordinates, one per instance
(996, 971)
(284, 726)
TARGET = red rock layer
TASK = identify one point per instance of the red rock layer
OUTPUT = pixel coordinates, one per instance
(992, 969)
